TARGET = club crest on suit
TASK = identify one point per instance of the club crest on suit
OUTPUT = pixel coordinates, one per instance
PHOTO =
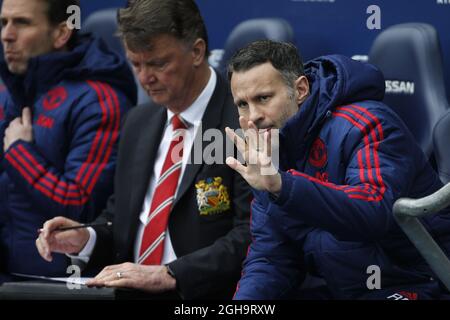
(212, 196)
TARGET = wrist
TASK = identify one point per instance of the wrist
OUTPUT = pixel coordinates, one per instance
(275, 187)
(173, 279)
(170, 271)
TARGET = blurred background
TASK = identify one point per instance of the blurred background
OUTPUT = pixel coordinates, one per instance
(320, 26)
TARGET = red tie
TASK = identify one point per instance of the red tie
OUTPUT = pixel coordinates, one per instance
(152, 243)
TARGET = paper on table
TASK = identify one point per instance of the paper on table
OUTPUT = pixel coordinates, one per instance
(72, 280)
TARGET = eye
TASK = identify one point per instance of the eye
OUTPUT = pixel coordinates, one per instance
(24, 22)
(264, 99)
(242, 104)
(135, 65)
(159, 64)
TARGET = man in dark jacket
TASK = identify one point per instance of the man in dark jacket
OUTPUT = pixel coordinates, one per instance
(60, 114)
(344, 158)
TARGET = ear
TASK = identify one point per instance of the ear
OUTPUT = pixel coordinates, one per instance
(302, 89)
(199, 51)
(61, 35)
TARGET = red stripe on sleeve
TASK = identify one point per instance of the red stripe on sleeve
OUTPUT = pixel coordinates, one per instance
(43, 171)
(114, 132)
(38, 187)
(374, 137)
(39, 177)
(81, 176)
(366, 143)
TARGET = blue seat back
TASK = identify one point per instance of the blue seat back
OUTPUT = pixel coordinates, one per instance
(409, 56)
(276, 29)
(103, 23)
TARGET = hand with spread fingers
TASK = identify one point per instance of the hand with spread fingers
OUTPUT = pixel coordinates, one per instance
(259, 170)
(19, 129)
(150, 278)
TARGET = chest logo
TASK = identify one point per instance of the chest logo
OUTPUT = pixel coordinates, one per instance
(318, 154)
(45, 122)
(54, 98)
(212, 196)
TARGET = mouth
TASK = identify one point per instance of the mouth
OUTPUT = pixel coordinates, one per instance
(154, 91)
(263, 130)
(11, 55)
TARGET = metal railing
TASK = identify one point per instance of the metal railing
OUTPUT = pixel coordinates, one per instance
(407, 213)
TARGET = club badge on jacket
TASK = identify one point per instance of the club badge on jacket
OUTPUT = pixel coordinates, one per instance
(212, 196)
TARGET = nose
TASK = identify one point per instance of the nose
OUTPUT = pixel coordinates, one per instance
(9, 33)
(255, 114)
(146, 76)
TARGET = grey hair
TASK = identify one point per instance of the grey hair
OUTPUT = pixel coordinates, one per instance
(142, 20)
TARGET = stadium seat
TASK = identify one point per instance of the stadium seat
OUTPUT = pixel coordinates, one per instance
(103, 23)
(441, 138)
(255, 29)
(410, 58)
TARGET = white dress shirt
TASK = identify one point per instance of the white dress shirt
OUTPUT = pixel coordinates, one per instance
(192, 116)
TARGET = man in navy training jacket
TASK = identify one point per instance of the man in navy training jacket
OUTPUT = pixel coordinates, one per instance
(344, 158)
(60, 114)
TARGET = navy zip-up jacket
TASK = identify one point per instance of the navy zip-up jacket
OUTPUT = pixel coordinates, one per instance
(345, 157)
(78, 99)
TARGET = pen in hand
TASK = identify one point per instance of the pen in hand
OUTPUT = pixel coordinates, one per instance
(84, 225)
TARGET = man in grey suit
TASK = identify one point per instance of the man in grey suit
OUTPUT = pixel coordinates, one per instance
(204, 236)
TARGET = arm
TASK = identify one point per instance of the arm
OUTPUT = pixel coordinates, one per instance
(273, 265)
(103, 253)
(80, 188)
(3, 124)
(380, 169)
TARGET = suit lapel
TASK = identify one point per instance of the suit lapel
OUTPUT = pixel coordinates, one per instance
(211, 119)
(149, 139)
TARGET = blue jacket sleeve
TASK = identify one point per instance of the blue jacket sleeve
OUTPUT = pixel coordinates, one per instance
(80, 189)
(273, 266)
(380, 164)
(3, 123)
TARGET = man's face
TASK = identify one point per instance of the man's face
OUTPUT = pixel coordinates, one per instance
(262, 96)
(166, 71)
(26, 32)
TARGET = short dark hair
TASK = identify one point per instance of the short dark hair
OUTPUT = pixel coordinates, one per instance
(283, 56)
(57, 13)
(142, 20)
